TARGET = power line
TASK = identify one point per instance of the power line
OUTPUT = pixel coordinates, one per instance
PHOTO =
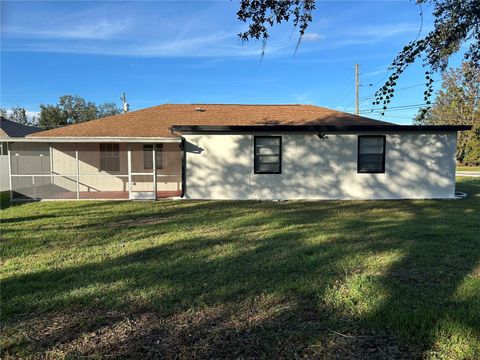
(398, 116)
(401, 89)
(395, 110)
(396, 107)
(343, 93)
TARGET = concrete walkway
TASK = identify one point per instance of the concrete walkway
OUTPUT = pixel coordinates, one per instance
(468, 173)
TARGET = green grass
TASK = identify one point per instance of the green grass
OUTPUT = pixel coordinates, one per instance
(468, 168)
(213, 279)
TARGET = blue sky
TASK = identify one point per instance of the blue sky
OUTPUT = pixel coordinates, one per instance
(188, 52)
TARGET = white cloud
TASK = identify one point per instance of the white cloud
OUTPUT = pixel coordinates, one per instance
(101, 29)
(304, 98)
(30, 114)
(385, 30)
(380, 71)
(312, 36)
(219, 44)
(130, 30)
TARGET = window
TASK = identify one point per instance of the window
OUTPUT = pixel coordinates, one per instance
(371, 154)
(267, 155)
(109, 157)
(148, 156)
(3, 148)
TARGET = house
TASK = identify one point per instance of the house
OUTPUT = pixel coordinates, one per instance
(215, 151)
(10, 130)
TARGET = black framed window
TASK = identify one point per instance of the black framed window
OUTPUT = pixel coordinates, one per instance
(371, 154)
(109, 157)
(267, 155)
(148, 156)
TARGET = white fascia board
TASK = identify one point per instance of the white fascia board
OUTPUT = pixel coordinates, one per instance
(99, 139)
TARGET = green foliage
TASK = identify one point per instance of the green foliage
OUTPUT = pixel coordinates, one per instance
(264, 14)
(242, 279)
(76, 110)
(107, 109)
(472, 147)
(73, 109)
(456, 23)
(17, 114)
(458, 102)
(51, 116)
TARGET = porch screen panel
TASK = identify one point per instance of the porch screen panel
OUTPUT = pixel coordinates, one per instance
(103, 171)
(142, 185)
(30, 170)
(29, 158)
(148, 156)
(169, 175)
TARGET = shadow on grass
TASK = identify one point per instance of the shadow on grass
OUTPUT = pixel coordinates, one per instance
(249, 279)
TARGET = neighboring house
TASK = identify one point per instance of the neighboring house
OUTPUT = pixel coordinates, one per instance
(8, 130)
(212, 151)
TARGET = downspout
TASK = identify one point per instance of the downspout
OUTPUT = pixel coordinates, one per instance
(184, 167)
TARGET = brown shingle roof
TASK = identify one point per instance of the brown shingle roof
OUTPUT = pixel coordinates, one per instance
(156, 121)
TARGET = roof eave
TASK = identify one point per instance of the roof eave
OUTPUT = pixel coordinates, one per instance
(96, 139)
(198, 129)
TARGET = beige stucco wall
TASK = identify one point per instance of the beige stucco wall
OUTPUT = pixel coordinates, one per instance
(4, 173)
(4, 168)
(417, 166)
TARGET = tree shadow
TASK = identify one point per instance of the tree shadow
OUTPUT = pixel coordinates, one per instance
(253, 279)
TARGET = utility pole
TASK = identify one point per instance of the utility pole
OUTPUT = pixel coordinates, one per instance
(356, 88)
(123, 99)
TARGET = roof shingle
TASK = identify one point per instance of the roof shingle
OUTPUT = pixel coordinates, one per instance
(9, 129)
(156, 121)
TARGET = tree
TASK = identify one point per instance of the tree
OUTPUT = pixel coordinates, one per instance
(457, 22)
(73, 109)
(51, 116)
(107, 109)
(458, 102)
(76, 110)
(18, 115)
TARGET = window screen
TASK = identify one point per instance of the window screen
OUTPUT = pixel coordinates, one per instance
(268, 155)
(109, 157)
(148, 156)
(371, 154)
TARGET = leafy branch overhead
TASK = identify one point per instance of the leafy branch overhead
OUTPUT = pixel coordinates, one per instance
(264, 14)
(458, 102)
(456, 23)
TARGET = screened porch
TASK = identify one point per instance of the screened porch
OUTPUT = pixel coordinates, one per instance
(95, 170)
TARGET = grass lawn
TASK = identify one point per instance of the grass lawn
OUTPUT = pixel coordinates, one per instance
(468, 168)
(211, 279)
